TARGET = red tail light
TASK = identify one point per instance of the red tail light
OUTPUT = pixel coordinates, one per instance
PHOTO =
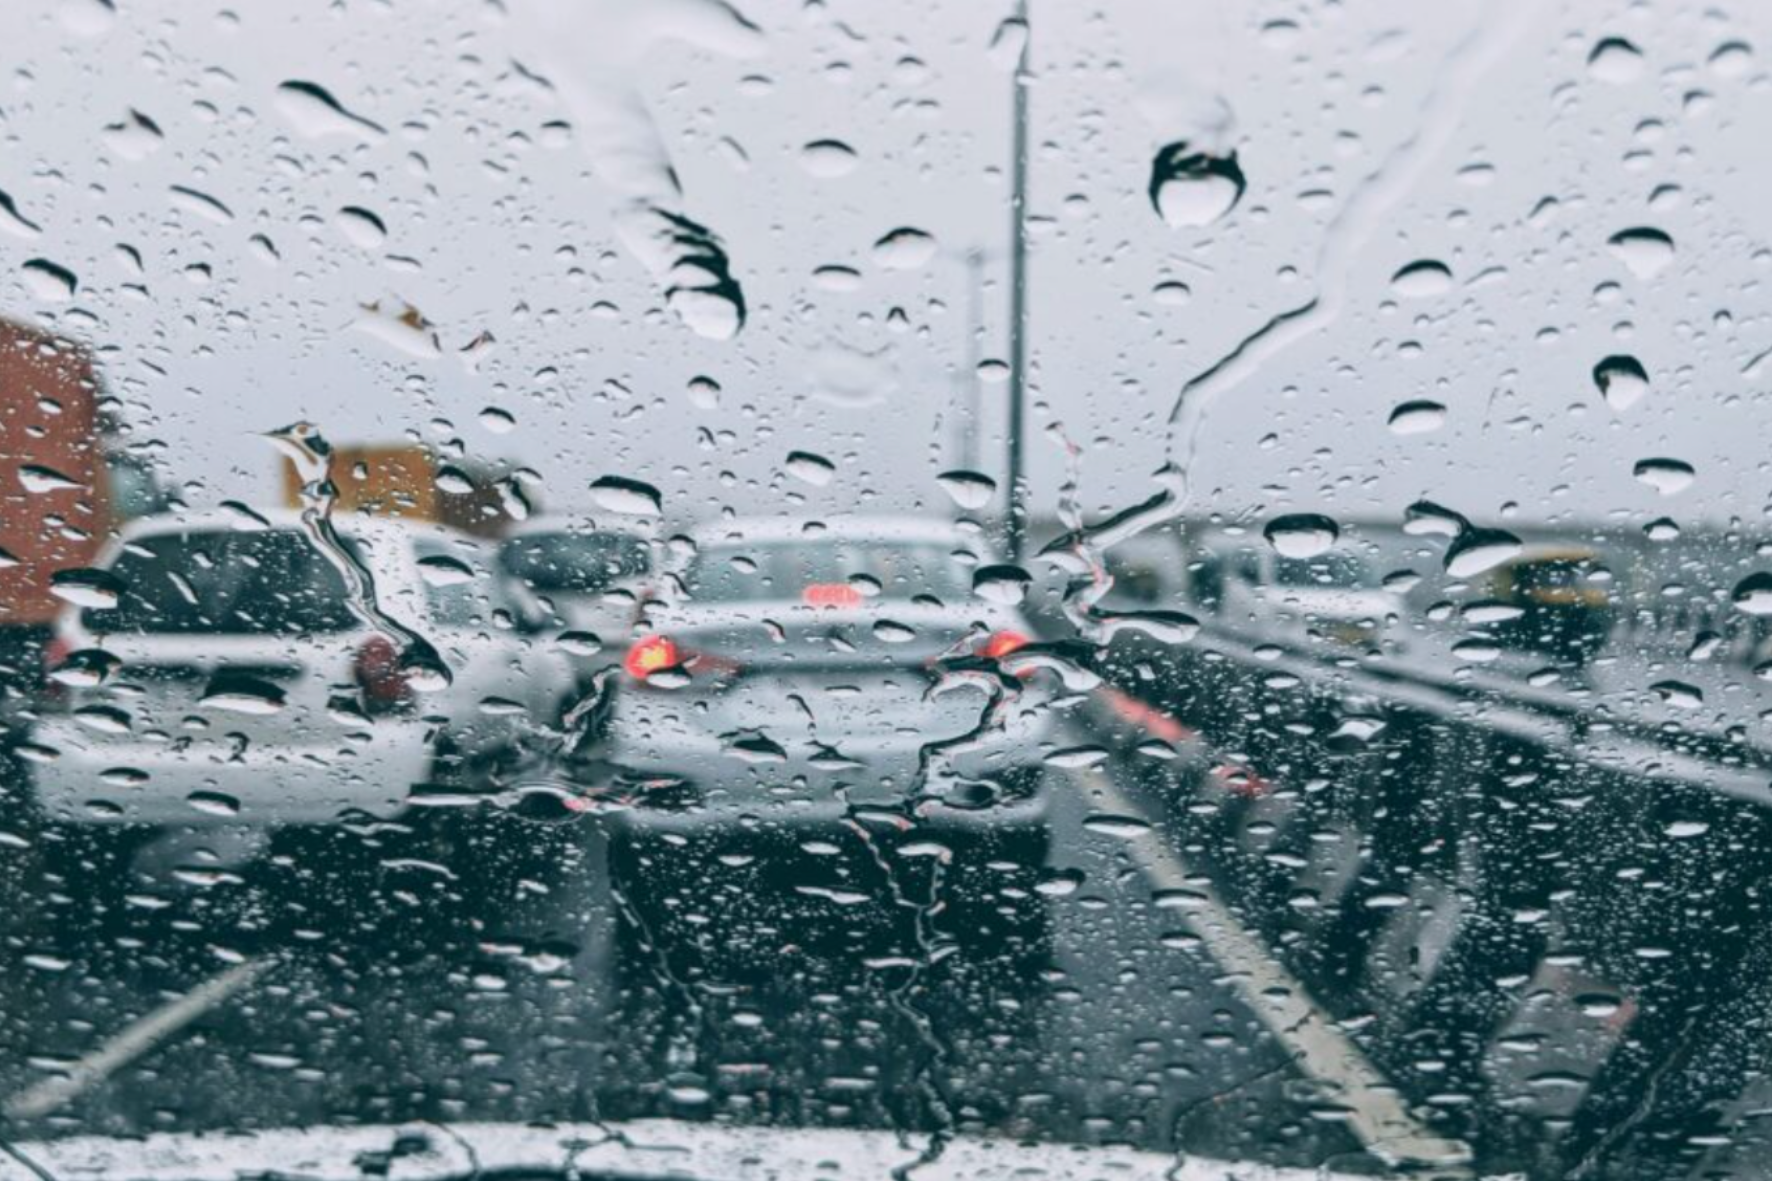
(379, 674)
(831, 594)
(650, 655)
(1003, 643)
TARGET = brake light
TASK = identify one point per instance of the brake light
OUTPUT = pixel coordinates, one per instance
(649, 655)
(378, 672)
(831, 594)
(1003, 643)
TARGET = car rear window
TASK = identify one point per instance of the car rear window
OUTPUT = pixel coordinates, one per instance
(782, 571)
(583, 562)
(259, 583)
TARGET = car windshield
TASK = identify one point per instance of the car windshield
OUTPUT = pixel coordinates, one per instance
(829, 572)
(1016, 589)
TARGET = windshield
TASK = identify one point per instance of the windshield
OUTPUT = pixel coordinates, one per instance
(801, 588)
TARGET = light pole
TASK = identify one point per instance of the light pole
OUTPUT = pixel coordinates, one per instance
(1018, 250)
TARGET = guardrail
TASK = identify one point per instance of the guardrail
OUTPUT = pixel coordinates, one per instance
(1549, 927)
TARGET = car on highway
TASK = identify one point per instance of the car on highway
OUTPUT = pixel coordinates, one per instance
(212, 672)
(592, 579)
(832, 745)
(1335, 598)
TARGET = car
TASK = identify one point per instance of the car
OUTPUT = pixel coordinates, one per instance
(214, 677)
(831, 747)
(592, 579)
(1335, 599)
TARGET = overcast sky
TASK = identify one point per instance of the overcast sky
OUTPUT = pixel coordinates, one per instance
(1373, 134)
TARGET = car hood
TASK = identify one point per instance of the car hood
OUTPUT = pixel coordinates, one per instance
(640, 1150)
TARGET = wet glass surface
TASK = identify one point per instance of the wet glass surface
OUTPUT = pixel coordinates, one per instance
(792, 587)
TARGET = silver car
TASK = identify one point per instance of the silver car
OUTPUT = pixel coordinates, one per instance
(823, 717)
(216, 673)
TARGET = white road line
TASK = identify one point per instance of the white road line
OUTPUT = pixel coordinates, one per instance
(135, 1040)
(1377, 1113)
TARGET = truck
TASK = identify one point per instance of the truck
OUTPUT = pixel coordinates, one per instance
(55, 498)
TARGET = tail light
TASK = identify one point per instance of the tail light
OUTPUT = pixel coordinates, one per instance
(377, 669)
(831, 594)
(651, 654)
(1002, 643)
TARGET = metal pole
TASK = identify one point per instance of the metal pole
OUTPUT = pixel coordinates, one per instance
(1018, 250)
(969, 380)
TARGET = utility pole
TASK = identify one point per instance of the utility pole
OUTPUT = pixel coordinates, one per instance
(969, 380)
(1018, 310)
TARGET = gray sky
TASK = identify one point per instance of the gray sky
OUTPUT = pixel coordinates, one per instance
(497, 222)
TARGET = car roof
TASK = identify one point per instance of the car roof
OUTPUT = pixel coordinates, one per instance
(223, 521)
(746, 530)
(551, 526)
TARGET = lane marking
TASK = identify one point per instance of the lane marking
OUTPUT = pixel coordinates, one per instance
(132, 1042)
(1377, 1113)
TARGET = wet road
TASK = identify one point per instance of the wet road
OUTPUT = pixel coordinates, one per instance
(1158, 1019)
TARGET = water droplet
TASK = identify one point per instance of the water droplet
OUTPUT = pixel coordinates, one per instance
(1732, 58)
(205, 205)
(1622, 381)
(837, 278)
(992, 371)
(1422, 279)
(1301, 535)
(86, 587)
(444, 570)
(1615, 60)
(580, 643)
(1418, 417)
(1667, 476)
(1007, 43)
(1477, 650)
(1476, 550)
(1662, 529)
(1172, 294)
(454, 481)
(240, 693)
(360, 227)
(969, 490)
(315, 113)
(1681, 830)
(214, 803)
(621, 495)
(812, 469)
(1001, 584)
(828, 158)
(48, 281)
(1753, 594)
(1124, 828)
(135, 137)
(1678, 694)
(755, 748)
(1644, 250)
(86, 668)
(904, 249)
(704, 393)
(37, 479)
(889, 631)
(1191, 188)
(497, 420)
